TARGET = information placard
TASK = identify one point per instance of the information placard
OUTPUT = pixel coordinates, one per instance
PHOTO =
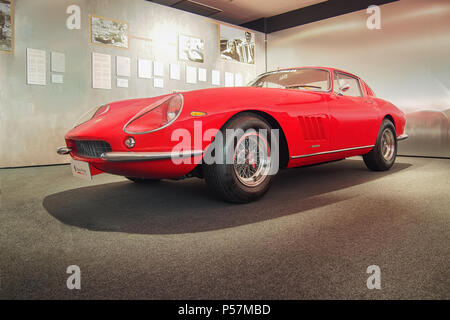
(101, 71)
(36, 67)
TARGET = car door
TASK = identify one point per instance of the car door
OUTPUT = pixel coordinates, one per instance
(309, 105)
(303, 94)
(311, 111)
(352, 113)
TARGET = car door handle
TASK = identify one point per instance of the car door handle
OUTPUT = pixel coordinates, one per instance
(370, 101)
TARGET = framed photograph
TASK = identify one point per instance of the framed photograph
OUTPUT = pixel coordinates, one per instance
(236, 44)
(191, 49)
(7, 26)
(108, 32)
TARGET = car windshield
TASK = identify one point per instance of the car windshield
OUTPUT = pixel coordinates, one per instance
(302, 79)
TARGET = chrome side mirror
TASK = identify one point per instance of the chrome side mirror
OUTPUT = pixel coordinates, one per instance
(345, 87)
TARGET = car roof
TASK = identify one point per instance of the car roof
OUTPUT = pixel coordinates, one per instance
(316, 67)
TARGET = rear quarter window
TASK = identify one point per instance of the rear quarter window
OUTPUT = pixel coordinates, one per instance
(369, 90)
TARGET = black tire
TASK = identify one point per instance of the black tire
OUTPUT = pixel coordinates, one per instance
(223, 180)
(379, 159)
(142, 180)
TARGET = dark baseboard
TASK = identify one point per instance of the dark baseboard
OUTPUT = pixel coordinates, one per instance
(37, 166)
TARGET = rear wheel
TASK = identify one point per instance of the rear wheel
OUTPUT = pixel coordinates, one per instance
(382, 156)
(142, 180)
(248, 177)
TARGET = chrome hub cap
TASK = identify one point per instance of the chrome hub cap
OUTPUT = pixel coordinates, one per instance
(387, 145)
(252, 159)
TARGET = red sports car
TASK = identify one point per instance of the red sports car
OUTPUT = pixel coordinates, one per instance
(238, 138)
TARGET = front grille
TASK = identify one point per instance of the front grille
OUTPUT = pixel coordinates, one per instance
(91, 148)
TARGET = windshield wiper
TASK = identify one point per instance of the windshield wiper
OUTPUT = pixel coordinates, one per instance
(302, 86)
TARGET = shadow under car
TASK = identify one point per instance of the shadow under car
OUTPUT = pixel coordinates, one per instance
(187, 206)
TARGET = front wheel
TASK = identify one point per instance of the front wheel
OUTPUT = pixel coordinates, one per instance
(247, 176)
(382, 156)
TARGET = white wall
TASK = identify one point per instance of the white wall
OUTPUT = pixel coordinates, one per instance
(34, 119)
(406, 62)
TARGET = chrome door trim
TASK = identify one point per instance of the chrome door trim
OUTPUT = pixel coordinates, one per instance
(328, 152)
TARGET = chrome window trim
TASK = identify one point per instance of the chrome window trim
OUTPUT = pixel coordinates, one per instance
(328, 152)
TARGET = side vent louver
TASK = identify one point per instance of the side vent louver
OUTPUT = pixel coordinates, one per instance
(312, 127)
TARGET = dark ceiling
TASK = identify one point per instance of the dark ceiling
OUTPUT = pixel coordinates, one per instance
(270, 16)
(238, 11)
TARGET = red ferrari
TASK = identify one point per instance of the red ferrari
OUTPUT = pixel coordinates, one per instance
(285, 118)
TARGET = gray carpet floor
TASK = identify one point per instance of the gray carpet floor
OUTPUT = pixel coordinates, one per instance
(311, 237)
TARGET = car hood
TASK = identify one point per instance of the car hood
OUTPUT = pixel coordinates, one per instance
(242, 96)
(119, 113)
(212, 100)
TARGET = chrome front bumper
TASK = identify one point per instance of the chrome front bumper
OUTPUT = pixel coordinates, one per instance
(402, 137)
(139, 156)
(63, 150)
(148, 156)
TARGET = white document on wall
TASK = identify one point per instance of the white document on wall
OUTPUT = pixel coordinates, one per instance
(229, 79)
(122, 83)
(158, 69)
(191, 75)
(158, 83)
(123, 66)
(238, 80)
(202, 74)
(36, 67)
(101, 71)
(58, 60)
(215, 77)
(144, 69)
(175, 71)
(57, 78)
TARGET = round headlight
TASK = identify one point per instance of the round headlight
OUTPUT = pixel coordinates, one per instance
(174, 107)
(156, 116)
(92, 113)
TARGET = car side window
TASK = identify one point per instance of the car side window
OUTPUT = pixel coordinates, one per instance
(370, 90)
(354, 88)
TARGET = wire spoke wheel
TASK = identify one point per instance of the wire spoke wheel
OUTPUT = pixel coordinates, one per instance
(246, 175)
(387, 145)
(252, 159)
(382, 156)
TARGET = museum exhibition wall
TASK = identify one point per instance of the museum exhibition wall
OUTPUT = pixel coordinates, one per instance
(405, 62)
(59, 59)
